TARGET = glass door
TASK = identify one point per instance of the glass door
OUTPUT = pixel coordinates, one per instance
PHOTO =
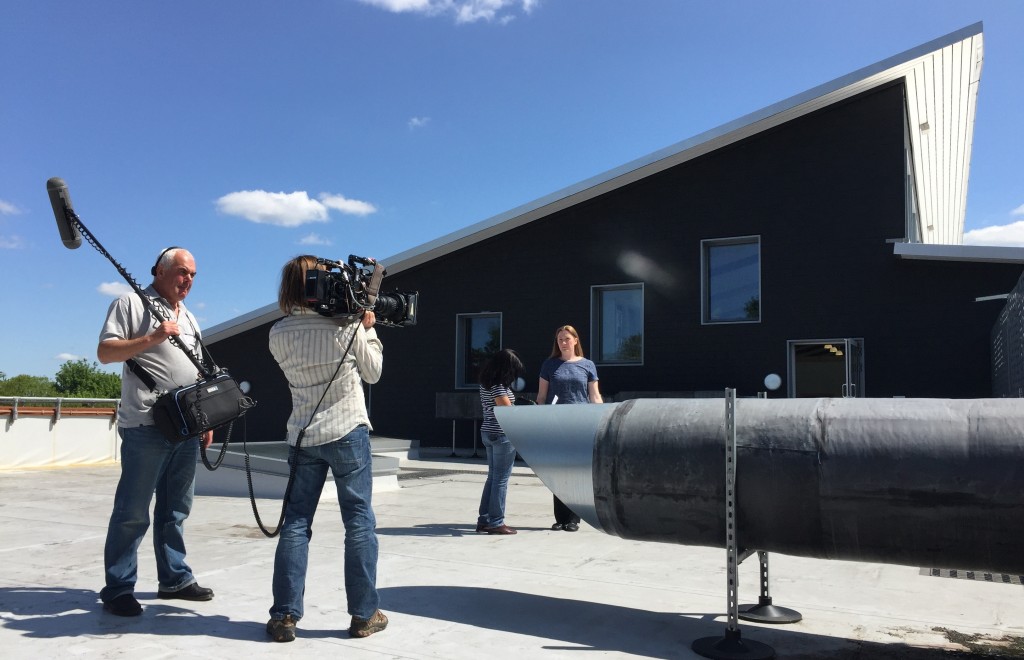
(854, 386)
(826, 368)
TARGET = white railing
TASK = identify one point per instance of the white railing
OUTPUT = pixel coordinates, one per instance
(56, 431)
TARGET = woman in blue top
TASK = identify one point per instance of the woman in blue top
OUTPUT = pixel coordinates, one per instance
(567, 377)
(496, 378)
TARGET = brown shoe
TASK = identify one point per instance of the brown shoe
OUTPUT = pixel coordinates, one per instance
(282, 630)
(366, 627)
(501, 529)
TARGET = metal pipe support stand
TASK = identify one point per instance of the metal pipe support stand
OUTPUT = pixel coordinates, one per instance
(732, 646)
(764, 611)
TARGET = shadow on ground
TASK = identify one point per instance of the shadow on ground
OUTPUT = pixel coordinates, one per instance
(567, 624)
(580, 625)
(53, 613)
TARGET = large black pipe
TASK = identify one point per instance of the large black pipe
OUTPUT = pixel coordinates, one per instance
(922, 482)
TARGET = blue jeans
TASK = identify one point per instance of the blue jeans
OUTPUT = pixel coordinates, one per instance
(501, 456)
(349, 460)
(150, 464)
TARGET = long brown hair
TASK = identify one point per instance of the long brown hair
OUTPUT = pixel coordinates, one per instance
(293, 282)
(556, 352)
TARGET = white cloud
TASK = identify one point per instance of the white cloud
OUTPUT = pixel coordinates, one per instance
(282, 209)
(428, 7)
(6, 208)
(315, 239)
(1018, 211)
(345, 205)
(464, 11)
(288, 209)
(113, 289)
(11, 242)
(418, 122)
(1011, 235)
(65, 357)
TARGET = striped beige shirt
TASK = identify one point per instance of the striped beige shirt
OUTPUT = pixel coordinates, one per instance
(307, 347)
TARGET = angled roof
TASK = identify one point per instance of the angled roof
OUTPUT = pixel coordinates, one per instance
(942, 90)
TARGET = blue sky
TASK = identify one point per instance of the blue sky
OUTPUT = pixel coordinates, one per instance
(254, 131)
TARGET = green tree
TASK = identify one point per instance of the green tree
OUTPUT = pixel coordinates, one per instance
(83, 380)
(752, 308)
(23, 385)
(630, 349)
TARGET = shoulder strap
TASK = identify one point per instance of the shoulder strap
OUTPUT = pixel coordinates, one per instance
(141, 373)
(134, 367)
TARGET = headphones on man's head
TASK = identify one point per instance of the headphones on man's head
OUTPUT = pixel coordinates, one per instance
(153, 269)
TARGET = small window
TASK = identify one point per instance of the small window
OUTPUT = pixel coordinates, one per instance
(617, 320)
(477, 336)
(731, 280)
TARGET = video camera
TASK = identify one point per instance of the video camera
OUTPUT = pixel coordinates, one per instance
(351, 289)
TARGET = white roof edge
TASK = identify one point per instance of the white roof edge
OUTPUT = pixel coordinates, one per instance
(240, 324)
(967, 253)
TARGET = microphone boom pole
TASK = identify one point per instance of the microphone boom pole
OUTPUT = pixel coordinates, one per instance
(73, 224)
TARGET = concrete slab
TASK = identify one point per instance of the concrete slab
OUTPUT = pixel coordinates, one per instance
(451, 593)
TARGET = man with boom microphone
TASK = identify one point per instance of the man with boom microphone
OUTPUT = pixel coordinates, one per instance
(150, 463)
(150, 347)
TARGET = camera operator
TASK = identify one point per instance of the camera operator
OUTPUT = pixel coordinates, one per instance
(324, 360)
(149, 463)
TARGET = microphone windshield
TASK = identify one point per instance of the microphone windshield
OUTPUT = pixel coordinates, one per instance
(60, 200)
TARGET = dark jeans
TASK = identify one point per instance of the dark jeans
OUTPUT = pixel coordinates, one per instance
(349, 460)
(150, 464)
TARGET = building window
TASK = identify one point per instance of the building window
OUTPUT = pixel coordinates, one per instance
(476, 337)
(617, 320)
(731, 280)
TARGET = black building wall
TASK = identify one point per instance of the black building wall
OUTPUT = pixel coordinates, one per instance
(824, 193)
(247, 357)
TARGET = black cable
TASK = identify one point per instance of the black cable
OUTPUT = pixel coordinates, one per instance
(223, 448)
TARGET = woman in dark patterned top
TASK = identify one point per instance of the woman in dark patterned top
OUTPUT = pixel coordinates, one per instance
(567, 377)
(496, 378)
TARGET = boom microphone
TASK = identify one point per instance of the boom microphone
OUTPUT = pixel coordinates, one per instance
(60, 200)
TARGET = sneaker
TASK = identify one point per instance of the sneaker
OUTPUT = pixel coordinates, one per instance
(191, 592)
(282, 630)
(123, 605)
(366, 627)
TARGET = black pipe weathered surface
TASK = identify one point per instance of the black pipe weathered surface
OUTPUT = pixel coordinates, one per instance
(923, 482)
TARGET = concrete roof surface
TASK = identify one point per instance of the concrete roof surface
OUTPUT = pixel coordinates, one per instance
(451, 593)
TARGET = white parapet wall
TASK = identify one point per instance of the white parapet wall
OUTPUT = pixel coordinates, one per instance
(40, 433)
